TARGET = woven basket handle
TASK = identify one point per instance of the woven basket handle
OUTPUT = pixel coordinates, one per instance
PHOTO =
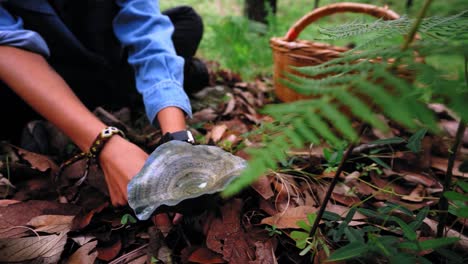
(372, 10)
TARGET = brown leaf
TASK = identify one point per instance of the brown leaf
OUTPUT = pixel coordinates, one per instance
(217, 132)
(52, 223)
(38, 161)
(205, 256)
(414, 177)
(451, 128)
(163, 223)
(85, 254)
(263, 187)
(42, 249)
(84, 218)
(343, 211)
(226, 236)
(110, 252)
(230, 105)
(14, 216)
(441, 164)
(6, 202)
(264, 253)
(204, 115)
(417, 195)
(289, 217)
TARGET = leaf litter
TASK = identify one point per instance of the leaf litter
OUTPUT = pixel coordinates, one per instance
(49, 220)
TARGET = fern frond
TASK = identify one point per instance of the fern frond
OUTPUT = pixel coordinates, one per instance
(447, 27)
(315, 121)
(309, 86)
(361, 110)
(391, 106)
(331, 112)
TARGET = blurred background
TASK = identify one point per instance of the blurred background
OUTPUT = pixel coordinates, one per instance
(242, 45)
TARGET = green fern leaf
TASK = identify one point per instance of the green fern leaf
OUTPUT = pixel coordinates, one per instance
(361, 110)
(339, 120)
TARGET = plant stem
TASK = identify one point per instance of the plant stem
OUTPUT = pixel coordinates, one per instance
(327, 197)
(443, 202)
(416, 24)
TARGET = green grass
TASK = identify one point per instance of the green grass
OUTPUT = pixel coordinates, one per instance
(243, 46)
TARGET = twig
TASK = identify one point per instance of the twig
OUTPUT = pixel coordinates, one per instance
(327, 197)
(443, 202)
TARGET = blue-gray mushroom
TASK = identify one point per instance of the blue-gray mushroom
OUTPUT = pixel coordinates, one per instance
(178, 171)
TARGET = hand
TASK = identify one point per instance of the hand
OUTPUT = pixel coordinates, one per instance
(121, 161)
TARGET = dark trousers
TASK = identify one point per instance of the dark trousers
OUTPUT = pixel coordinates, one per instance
(111, 84)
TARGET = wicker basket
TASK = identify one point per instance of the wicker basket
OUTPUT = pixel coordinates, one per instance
(288, 51)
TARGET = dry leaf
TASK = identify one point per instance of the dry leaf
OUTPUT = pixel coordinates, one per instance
(14, 217)
(52, 223)
(417, 195)
(264, 253)
(42, 249)
(38, 161)
(205, 256)
(226, 236)
(163, 223)
(109, 253)
(263, 187)
(441, 164)
(85, 254)
(83, 219)
(217, 132)
(230, 105)
(289, 218)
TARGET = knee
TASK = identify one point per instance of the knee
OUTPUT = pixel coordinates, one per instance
(188, 15)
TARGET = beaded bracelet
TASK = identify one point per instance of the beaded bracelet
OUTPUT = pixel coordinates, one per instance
(91, 156)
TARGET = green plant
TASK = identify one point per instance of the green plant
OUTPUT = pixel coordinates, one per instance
(361, 85)
(303, 239)
(127, 218)
(273, 230)
(368, 241)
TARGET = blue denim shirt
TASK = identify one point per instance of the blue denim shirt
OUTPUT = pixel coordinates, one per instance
(142, 29)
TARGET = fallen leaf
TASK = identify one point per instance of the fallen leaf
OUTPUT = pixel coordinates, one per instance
(263, 187)
(6, 202)
(230, 105)
(289, 217)
(85, 254)
(84, 218)
(81, 240)
(264, 253)
(163, 223)
(38, 161)
(204, 115)
(42, 249)
(226, 236)
(52, 223)
(205, 256)
(417, 195)
(217, 132)
(110, 252)
(451, 128)
(15, 216)
(348, 200)
(441, 164)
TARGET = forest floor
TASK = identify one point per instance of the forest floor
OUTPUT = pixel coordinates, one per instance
(45, 219)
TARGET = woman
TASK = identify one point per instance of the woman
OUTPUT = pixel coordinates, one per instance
(103, 50)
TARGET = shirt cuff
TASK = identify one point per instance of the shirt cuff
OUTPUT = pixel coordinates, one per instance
(165, 94)
(24, 39)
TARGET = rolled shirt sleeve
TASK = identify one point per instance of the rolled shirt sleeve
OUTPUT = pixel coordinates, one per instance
(147, 34)
(13, 34)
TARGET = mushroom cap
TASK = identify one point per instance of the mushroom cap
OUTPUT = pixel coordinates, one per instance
(178, 171)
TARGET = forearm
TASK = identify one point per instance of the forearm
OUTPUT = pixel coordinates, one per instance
(31, 77)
